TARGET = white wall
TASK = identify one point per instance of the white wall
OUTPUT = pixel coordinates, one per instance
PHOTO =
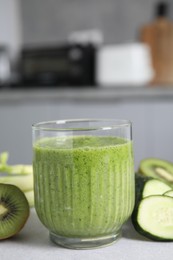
(152, 124)
(49, 21)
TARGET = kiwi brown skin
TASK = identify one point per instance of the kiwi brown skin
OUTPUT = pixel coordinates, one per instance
(14, 210)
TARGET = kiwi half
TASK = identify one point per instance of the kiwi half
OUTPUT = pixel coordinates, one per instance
(14, 210)
(157, 168)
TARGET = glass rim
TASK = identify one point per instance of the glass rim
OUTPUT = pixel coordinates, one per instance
(58, 125)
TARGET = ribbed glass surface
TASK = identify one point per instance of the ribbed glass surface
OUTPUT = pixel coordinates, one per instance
(84, 192)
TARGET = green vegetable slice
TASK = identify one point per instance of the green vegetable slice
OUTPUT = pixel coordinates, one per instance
(147, 186)
(169, 193)
(154, 187)
(153, 218)
(24, 182)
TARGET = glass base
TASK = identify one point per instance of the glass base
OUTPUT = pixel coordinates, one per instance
(84, 243)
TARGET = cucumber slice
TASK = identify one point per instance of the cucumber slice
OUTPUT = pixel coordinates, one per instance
(147, 186)
(169, 193)
(154, 187)
(140, 181)
(154, 218)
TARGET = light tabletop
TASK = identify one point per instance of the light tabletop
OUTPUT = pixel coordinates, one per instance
(33, 243)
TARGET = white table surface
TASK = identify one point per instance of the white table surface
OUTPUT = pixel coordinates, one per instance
(32, 243)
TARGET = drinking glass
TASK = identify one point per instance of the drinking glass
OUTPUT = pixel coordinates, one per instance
(83, 179)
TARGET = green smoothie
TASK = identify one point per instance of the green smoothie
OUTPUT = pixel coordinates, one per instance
(84, 185)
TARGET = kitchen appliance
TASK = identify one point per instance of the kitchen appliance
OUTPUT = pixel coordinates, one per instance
(123, 65)
(67, 64)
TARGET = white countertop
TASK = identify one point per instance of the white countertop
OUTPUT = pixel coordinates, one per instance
(32, 243)
(85, 94)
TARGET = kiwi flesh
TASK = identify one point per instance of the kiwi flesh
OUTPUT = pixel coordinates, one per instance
(157, 168)
(14, 210)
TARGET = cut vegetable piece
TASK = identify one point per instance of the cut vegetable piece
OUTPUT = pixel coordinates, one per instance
(146, 186)
(157, 168)
(169, 193)
(140, 181)
(4, 158)
(30, 197)
(22, 169)
(154, 187)
(154, 218)
(13, 169)
(24, 182)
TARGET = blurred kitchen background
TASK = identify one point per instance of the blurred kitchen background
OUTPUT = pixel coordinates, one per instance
(62, 59)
